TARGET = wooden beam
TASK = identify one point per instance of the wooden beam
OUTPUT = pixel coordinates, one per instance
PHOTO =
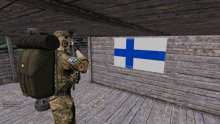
(12, 59)
(85, 14)
(90, 59)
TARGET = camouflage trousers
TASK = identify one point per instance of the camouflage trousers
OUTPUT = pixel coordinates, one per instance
(63, 109)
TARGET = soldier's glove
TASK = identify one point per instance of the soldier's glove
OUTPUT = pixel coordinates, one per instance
(75, 47)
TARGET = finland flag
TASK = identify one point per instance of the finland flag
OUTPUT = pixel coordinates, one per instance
(140, 53)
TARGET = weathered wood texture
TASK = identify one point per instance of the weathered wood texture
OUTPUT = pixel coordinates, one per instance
(90, 59)
(6, 75)
(112, 18)
(99, 104)
(12, 58)
(191, 75)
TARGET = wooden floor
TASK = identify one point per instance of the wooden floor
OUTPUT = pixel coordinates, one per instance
(98, 104)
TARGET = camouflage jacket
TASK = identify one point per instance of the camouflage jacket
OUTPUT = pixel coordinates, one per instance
(64, 67)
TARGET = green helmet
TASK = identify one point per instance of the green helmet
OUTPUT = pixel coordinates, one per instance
(60, 33)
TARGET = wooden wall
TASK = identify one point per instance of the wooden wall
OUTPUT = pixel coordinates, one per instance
(191, 77)
(5, 68)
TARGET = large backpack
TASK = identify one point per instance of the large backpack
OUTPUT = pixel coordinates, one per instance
(36, 65)
(35, 69)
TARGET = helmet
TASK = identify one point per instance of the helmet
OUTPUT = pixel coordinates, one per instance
(64, 40)
(60, 33)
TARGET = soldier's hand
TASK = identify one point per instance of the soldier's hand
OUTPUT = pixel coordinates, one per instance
(75, 47)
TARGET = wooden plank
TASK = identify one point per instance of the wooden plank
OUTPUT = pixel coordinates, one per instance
(5, 3)
(80, 86)
(27, 112)
(45, 22)
(26, 118)
(11, 116)
(182, 115)
(167, 114)
(160, 113)
(11, 56)
(175, 115)
(16, 10)
(132, 113)
(171, 78)
(86, 92)
(195, 39)
(94, 104)
(131, 86)
(50, 120)
(199, 15)
(24, 102)
(197, 98)
(143, 111)
(90, 59)
(102, 5)
(190, 116)
(121, 113)
(86, 15)
(216, 119)
(95, 111)
(41, 117)
(90, 100)
(6, 73)
(206, 67)
(155, 8)
(109, 109)
(160, 84)
(151, 119)
(210, 119)
(194, 31)
(212, 26)
(198, 117)
(15, 99)
(89, 95)
(38, 16)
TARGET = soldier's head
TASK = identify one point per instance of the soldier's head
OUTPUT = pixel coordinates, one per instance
(64, 39)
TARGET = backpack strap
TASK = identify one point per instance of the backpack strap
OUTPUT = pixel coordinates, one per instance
(26, 77)
(56, 76)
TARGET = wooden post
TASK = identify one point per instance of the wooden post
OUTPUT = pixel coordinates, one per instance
(90, 59)
(12, 59)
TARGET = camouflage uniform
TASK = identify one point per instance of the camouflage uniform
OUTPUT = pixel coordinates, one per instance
(63, 107)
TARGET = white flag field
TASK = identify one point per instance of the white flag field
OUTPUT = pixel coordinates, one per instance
(140, 53)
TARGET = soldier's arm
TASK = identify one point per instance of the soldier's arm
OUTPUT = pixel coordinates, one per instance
(68, 62)
(81, 64)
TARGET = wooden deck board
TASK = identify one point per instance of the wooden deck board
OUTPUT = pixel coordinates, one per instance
(190, 116)
(175, 115)
(121, 113)
(160, 113)
(144, 111)
(182, 115)
(93, 105)
(90, 98)
(98, 104)
(198, 117)
(167, 114)
(151, 113)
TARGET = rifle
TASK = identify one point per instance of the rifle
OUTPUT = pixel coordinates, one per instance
(72, 33)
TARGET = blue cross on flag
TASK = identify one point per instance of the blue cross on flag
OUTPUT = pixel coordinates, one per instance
(140, 53)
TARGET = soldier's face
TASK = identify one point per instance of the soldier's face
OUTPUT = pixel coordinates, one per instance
(66, 39)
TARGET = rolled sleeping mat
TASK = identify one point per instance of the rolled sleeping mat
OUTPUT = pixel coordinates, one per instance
(44, 42)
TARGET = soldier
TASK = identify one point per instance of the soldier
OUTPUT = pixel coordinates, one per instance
(63, 107)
